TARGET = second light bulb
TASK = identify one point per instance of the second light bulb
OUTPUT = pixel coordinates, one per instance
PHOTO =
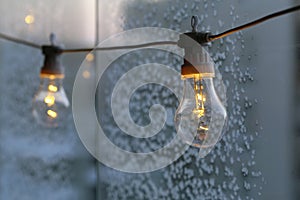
(50, 103)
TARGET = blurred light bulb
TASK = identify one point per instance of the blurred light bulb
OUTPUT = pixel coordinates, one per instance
(50, 102)
(201, 116)
(29, 19)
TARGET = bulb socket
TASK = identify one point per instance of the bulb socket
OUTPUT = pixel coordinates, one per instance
(52, 67)
(197, 61)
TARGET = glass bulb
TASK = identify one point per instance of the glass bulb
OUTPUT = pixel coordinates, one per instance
(50, 102)
(201, 116)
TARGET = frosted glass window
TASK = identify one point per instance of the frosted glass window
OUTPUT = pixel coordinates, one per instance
(257, 156)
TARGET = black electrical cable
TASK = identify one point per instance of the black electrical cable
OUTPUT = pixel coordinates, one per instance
(19, 41)
(210, 37)
(24, 42)
(253, 23)
(121, 47)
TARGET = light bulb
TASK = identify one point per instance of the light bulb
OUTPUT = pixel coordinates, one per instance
(50, 103)
(201, 116)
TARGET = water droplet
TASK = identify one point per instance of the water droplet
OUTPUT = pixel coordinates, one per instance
(247, 186)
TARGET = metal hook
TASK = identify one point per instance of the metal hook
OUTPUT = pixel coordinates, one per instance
(194, 23)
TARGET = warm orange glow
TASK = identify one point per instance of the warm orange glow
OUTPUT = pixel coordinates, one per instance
(52, 113)
(200, 98)
(204, 128)
(86, 74)
(49, 100)
(52, 88)
(199, 112)
(89, 57)
(29, 19)
(52, 76)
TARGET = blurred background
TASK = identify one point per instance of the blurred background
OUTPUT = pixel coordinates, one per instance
(257, 157)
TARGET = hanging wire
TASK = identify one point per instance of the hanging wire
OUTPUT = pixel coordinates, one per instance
(121, 47)
(19, 41)
(253, 23)
(210, 37)
(24, 42)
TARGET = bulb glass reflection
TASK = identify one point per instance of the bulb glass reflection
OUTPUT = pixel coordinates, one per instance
(201, 116)
(50, 102)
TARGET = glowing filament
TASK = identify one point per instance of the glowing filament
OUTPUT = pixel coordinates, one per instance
(52, 114)
(52, 88)
(204, 128)
(202, 131)
(199, 97)
(49, 100)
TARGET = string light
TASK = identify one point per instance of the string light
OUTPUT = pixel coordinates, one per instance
(51, 99)
(200, 117)
(50, 102)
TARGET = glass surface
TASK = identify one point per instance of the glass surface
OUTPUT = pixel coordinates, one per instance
(200, 117)
(257, 157)
(37, 162)
(50, 103)
(256, 149)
